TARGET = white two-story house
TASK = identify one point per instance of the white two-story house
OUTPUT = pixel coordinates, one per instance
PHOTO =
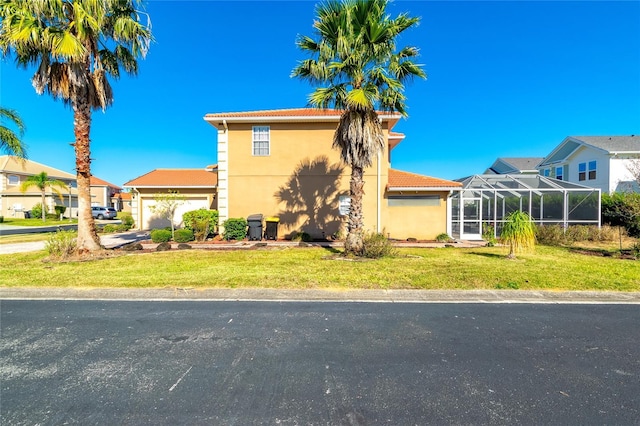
(603, 162)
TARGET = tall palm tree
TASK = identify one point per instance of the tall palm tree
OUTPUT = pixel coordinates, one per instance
(42, 181)
(10, 141)
(356, 69)
(75, 45)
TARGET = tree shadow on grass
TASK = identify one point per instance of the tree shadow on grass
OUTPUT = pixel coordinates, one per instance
(489, 255)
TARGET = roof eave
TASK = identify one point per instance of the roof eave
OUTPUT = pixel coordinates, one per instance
(424, 188)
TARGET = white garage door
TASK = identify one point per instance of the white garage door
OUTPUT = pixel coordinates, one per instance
(151, 220)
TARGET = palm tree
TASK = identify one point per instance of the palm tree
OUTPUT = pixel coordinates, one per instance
(10, 141)
(75, 45)
(356, 69)
(518, 232)
(43, 181)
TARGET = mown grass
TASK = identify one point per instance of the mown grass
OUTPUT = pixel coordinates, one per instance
(547, 268)
(37, 221)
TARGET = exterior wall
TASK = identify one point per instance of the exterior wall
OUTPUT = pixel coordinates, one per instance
(423, 222)
(300, 181)
(584, 155)
(620, 178)
(144, 198)
(26, 202)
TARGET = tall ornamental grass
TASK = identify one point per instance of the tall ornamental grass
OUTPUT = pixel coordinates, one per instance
(518, 233)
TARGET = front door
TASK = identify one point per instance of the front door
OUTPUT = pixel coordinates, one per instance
(471, 220)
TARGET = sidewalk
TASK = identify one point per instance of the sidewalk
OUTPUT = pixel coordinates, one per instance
(107, 240)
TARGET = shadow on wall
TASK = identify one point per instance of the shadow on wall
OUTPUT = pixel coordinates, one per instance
(157, 222)
(311, 198)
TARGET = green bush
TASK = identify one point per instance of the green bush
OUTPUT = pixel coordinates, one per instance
(36, 211)
(550, 235)
(1, 219)
(60, 210)
(376, 246)
(622, 209)
(183, 235)
(235, 229)
(202, 222)
(109, 229)
(635, 250)
(51, 216)
(489, 234)
(122, 228)
(126, 219)
(160, 235)
(444, 238)
(62, 244)
(301, 236)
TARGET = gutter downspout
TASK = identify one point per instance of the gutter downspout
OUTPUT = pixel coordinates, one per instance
(378, 197)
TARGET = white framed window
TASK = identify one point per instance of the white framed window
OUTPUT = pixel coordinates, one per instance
(13, 180)
(261, 138)
(559, 174)
(546, 172)
(592, 170)
(582, 171)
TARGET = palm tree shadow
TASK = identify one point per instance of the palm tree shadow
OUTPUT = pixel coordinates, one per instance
(311, 197)
(489, 255)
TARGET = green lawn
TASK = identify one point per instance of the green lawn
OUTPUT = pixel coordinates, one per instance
(548, 268)
(37, 221)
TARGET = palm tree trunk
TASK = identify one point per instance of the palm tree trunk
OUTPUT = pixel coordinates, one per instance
(44, 214)
(87, 236)
(354, 242)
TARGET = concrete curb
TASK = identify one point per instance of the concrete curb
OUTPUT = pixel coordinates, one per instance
(277, 295)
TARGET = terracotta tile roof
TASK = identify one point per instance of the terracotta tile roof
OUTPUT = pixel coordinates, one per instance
(124, 196)
(288, 113)
(174, 178)
(399, 179)
(99, 182)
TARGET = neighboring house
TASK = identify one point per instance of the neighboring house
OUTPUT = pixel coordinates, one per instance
(13, 202)
(511, 165)
(596, 161)
(282, 163)
(123, 200)
(198, 186)
(104, 193)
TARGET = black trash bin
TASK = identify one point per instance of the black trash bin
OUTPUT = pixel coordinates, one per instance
(255, 227)
(27, 214)
(272, 228)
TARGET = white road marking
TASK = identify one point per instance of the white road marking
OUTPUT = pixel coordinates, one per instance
(180, 379)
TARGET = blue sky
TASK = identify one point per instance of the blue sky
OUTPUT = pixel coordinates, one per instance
(505, 79)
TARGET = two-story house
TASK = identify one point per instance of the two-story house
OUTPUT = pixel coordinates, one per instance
(601, 162)
(104, 193)
(282, 163)
(14, 202)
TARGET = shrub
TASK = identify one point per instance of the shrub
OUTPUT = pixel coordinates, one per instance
(60, 210)
(235, 229)
(127, 220)
(300, 236)
(202, 222)
(160, 235)
(577, 233)
(1, 219)
(550, 235)
(444, 238)
(62, 244)
(51, 216)
(489, 233)
(109, 229)
(376, 245)
(122, 228)
(36, 211)
(183, 235)
(622, 209)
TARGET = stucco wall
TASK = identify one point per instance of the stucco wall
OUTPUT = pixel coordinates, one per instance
(300, 180)
(418, 221)
(144, 198)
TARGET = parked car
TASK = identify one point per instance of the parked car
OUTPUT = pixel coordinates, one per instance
(103, 212)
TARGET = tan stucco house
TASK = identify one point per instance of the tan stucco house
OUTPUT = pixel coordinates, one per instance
(198, 186)
(281, 163)
(104, 193)
(14, 203)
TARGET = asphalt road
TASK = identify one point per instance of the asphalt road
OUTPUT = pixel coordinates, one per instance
(298, 363)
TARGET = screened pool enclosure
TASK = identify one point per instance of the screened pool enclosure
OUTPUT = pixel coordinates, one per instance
(486, 200)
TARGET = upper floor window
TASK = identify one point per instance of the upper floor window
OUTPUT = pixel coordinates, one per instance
(13, 180)
(592, 170)
(260, 140)
(546, 172)
(582, 171)
(559, 173)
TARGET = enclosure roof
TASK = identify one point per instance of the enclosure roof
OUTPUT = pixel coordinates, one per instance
(519, 182)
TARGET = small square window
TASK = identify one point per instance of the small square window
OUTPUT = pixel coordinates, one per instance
(592, 170)
(559, 173)
(261, 140)
(13, 180)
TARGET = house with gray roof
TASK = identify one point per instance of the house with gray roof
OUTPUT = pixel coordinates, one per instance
(603, 162)
(511, 165)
